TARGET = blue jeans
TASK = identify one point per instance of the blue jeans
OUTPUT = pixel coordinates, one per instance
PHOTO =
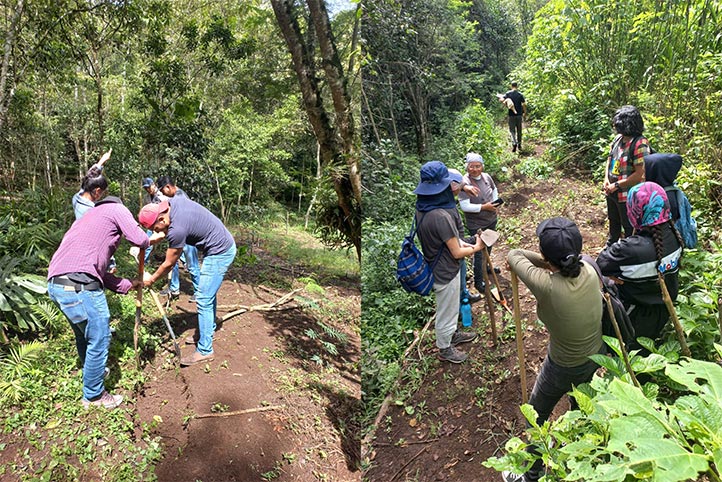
(88, 314)
(149, 249)
(464, 290)
(212, 271)
(190, 258)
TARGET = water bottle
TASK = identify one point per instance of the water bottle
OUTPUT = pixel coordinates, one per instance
(465, 310)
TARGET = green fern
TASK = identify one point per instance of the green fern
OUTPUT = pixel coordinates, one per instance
(13, 366)
(49, 314)
(17, 295)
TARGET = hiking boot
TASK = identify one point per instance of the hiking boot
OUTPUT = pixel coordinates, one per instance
(193, 339)
(474, 298)
(507, 476)
(480, 286)
(196, 357)
(452, 355)
(106, 400)
(460, 337)
(497, 270)
(167, 291)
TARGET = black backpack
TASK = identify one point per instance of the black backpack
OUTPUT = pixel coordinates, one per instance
(620, 313)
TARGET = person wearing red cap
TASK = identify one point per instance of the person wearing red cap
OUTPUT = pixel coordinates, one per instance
(186, 222)
(569, 303)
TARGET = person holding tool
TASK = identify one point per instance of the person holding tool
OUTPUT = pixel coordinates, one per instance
(186, 222)
(77, 278)
(479, 199)
(569, 303)
(440, 236)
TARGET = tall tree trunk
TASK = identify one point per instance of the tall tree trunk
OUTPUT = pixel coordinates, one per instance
(5, 98)
(346, 184)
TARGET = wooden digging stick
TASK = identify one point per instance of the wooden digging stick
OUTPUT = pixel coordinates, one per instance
(673, 314)
(519, 335)
(138, 307)
(490, 267)
(610, 309)
(490, 305)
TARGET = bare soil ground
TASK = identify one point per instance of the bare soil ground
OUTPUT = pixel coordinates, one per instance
(463, 414)
(301, 400)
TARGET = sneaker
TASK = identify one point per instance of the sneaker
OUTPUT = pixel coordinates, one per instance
(452, 355)
(196, 357)
(106, 400)
(497, 270)
(460, 337)
(507, 476)
(192, 299)
(480, 286)
(474, 298)
(167, 291)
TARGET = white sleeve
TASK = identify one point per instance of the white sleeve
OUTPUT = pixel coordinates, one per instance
(468, 207)
(495, 194)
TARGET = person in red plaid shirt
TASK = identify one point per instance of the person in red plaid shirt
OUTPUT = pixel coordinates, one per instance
(625, 168)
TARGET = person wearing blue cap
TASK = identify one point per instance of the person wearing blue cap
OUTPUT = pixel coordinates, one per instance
(569, 303)
(439, 228)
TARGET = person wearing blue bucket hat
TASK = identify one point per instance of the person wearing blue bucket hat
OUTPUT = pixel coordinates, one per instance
(439, 228)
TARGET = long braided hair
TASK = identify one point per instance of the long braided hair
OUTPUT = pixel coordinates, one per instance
(657, 237)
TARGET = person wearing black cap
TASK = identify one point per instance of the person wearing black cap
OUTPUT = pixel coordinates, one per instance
(439, 230)
(569, 303)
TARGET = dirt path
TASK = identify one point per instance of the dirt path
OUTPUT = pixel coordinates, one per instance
(463, 414)
(303, 398)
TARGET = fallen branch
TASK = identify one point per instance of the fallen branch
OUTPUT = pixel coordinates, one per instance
(366, 443)
(241, 412)
(275, 306)
(407, 463)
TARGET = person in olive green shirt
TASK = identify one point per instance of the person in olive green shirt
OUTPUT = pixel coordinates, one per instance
(569, 303)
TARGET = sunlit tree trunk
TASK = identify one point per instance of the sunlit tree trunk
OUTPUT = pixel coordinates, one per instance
(6, 97)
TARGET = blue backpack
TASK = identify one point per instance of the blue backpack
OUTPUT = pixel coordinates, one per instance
(686, 224)
(412, 270)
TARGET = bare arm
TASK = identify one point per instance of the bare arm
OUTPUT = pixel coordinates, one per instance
(458, 251)
(171, 258)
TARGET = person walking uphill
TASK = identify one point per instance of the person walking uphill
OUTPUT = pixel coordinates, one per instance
(633, 262)
(569, 303)
(77, 277)
(624, 169)
(186, 222)
(478, 209)
(438, 231)
(516, 115)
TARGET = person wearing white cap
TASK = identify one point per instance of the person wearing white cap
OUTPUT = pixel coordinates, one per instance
(476, 202)
(438, 227)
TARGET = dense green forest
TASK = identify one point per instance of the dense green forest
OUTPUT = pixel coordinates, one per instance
(428, 93)
(213, 94)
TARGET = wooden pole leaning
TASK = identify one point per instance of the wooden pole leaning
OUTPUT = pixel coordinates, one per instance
(625, 355)
(519, 336)
(138, 306)
(673, 314)
(490, 305)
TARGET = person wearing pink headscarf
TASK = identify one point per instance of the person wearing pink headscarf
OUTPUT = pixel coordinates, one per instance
(633, 262)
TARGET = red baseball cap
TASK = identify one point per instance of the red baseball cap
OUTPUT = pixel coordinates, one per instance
(148, 215)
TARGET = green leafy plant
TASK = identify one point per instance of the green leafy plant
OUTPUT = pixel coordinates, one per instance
(14, 366)
(17, 294)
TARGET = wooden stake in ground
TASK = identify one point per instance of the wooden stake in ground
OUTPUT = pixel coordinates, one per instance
(138, 306)
(490, 306)
(519, 335)
(610, 309)
(673, 314)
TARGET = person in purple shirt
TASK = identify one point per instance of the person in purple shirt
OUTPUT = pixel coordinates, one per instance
(77, 277)
(186, 222)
